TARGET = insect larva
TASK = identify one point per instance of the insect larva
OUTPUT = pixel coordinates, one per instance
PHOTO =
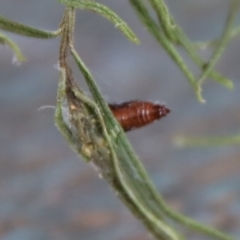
(135, 114)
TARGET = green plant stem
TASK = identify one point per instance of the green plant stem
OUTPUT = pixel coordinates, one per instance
(222, 43)
(183, 141)
(190, 49)
(21, 29)
(181, 40)
(192, 224)
(203, 45)
(18, 54)
(164, 41)
(164, 18)
(105, 12)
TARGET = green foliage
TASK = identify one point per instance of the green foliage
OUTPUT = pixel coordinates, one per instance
(17, 52)
(105, 12)
(18, 28)
(89, 126)
(170, 36)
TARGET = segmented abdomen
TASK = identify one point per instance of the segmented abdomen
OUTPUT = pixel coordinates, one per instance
(135, 114)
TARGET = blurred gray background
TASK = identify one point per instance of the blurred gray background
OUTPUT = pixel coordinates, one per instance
(47, 192)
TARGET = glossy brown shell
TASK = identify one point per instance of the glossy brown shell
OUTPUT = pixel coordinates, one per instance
(137, 114)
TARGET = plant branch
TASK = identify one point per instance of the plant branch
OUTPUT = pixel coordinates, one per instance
(176, 36)
(164, 19)
(222, 43)
(105, 12)
(184, 141)
(18, 53)
(21, 29)
(164, 41)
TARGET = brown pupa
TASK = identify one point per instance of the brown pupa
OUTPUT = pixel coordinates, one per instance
(136, 114)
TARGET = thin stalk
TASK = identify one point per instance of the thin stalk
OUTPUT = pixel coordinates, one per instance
(21, 29)
(164, 41)
(220, 141)
(164, 18)
(203, 45)
(222, 43)
(105, 12)
(190, 49)
(182, 40)
(17, 52)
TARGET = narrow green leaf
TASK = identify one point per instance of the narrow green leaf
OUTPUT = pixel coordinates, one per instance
(105, 12)
(17, 52)
(171, 26)
(163, 40)
(184, 141)
(21, 29)
(222, 80)
(164, 19)
(222, 43)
